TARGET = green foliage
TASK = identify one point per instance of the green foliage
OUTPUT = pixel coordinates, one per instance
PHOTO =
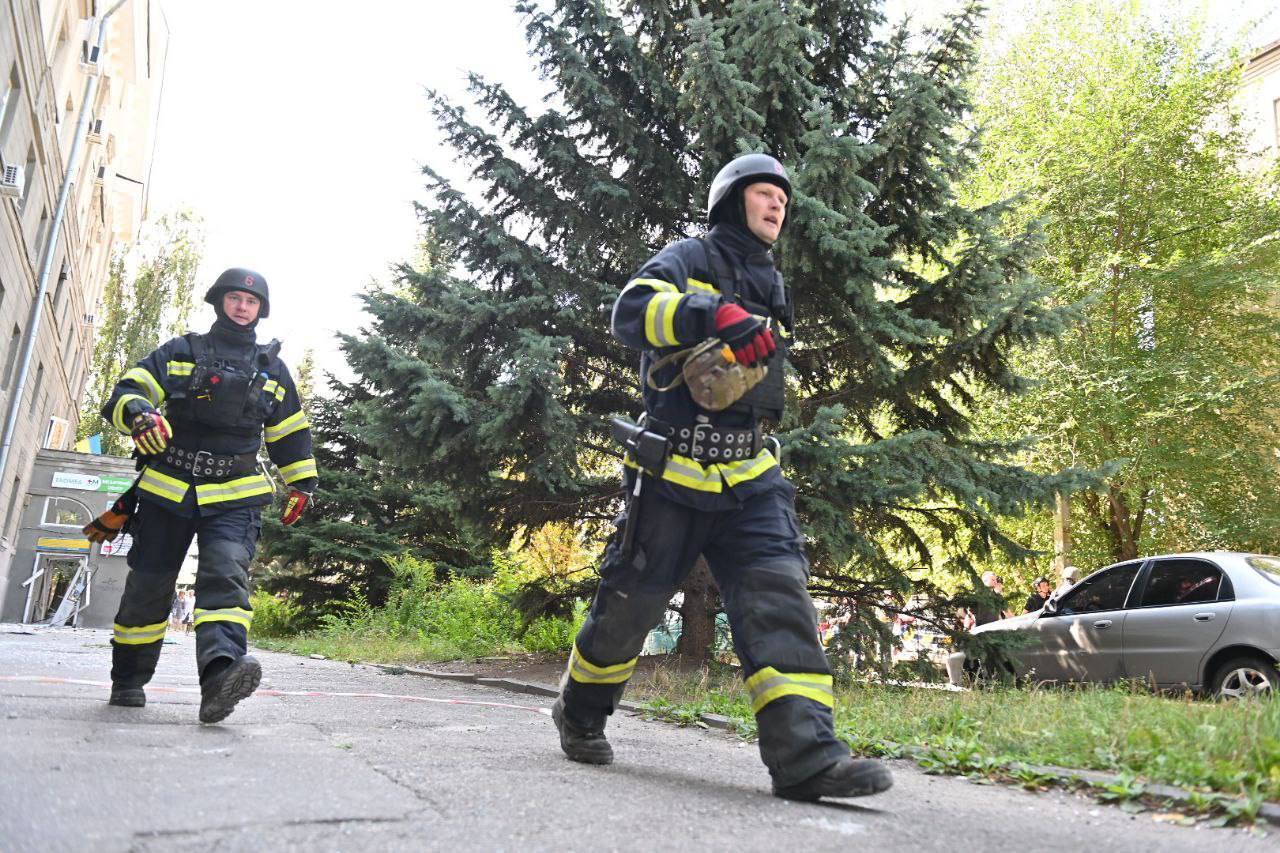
(488, 365)
(274, 616)
(427, 617)
(147, 300)
(1123, 134)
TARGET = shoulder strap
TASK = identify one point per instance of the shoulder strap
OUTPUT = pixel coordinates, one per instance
(727, 284)
(195, 340)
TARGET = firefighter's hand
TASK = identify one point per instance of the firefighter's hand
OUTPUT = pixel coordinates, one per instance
(151, 433)
(294, 505)
(748, 336)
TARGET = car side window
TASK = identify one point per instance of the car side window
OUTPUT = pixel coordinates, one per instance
(1182, 582)
(1105, 590)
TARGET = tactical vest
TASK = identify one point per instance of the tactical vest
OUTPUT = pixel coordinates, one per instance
(768, 398)
(224, 392)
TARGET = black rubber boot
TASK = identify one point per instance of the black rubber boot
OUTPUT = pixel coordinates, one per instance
(849, 777)
(588, 746)
(128, 697)
(220, 691)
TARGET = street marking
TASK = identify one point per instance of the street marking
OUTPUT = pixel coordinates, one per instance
(49, 679)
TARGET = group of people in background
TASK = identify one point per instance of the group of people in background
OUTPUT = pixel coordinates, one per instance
(183, 610)
(1042, 591)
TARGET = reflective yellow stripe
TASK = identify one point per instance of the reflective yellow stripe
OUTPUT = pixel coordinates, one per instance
(768, 684)
(274, 389)
(238, 615)
(747, 469)
(139, 635)
(691, 474)
(117, 414)
(655, 283)
(232, 490)
(694, 284)
(180, 368)
(586, 672)
(155, 393)
(288, 426)
(660, 319)
(299, 470)
(163, 485)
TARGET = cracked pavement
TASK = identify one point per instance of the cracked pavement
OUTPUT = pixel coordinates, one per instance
(432, 764)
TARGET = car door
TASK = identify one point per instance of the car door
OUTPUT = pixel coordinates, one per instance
(1182, 611)
(1083, 639)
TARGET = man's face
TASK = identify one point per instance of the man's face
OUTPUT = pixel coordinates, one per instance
(766, 209)
(1043, 588)
(241, 307)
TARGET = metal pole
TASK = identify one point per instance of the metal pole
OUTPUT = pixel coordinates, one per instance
(46, 255)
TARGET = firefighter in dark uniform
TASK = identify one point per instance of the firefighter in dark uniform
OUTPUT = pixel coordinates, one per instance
(720, 493)
(220, 392)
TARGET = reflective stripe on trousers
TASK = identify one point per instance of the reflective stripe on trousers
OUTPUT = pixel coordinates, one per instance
(238, 615)
(769, 684)
(586, 672)
(139, 635)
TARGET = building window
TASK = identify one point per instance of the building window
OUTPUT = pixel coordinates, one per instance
(42, 231)
(35, 387)
(65, 512)
(11, 358)
(14, 497)
(10, 94)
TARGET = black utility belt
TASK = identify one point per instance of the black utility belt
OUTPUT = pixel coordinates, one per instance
(202, 463)
(706, 442)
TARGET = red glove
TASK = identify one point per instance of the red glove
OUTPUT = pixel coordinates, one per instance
(151, 433)
(293, 507)
(748, 336)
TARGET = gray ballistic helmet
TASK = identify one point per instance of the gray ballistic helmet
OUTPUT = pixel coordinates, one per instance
(743, 170)
(238, 278)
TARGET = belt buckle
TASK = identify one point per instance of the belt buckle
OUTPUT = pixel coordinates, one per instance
(695, 442)
(195, 463)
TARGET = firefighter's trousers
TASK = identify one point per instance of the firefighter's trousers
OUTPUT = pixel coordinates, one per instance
(756, 555)
(226, 543)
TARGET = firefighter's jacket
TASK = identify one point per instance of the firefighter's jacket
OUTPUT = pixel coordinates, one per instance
(670, 304)
(267, 406)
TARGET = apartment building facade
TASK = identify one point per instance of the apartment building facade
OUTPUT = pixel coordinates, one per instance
(47, 54)
(1260, 101)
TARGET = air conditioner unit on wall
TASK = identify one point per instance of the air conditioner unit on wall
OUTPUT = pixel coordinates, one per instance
(12, 181)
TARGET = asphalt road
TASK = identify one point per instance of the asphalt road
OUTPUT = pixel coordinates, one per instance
(439, 765)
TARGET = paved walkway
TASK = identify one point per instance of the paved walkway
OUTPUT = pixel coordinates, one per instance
(428, 764)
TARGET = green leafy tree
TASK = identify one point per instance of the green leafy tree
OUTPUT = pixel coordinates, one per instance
(1122, 131)
(364, 512)
(491, 371)
(147, 300)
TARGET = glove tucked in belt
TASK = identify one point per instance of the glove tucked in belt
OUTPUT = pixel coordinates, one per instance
(709, 443)
(202, 463)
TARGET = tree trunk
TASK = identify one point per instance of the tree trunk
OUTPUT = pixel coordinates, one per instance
(1124, 544)
(698, 615)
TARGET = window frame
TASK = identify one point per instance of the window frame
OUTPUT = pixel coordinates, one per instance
(44, 513)
(1224, 584)
(1126, 604)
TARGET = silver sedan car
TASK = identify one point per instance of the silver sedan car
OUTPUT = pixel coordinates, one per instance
(1209, 622)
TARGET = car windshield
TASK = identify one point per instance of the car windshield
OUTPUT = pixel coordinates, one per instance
(1268, 567)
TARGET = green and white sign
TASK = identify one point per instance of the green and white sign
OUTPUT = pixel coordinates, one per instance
(114, 484)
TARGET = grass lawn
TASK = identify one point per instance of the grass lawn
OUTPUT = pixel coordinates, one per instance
(1230, 748)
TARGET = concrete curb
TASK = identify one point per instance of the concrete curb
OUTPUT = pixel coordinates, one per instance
(1269, 812)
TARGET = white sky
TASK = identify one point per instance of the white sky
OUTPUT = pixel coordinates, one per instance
(297, 130)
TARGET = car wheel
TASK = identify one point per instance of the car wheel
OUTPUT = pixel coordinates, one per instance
(1246, 677)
